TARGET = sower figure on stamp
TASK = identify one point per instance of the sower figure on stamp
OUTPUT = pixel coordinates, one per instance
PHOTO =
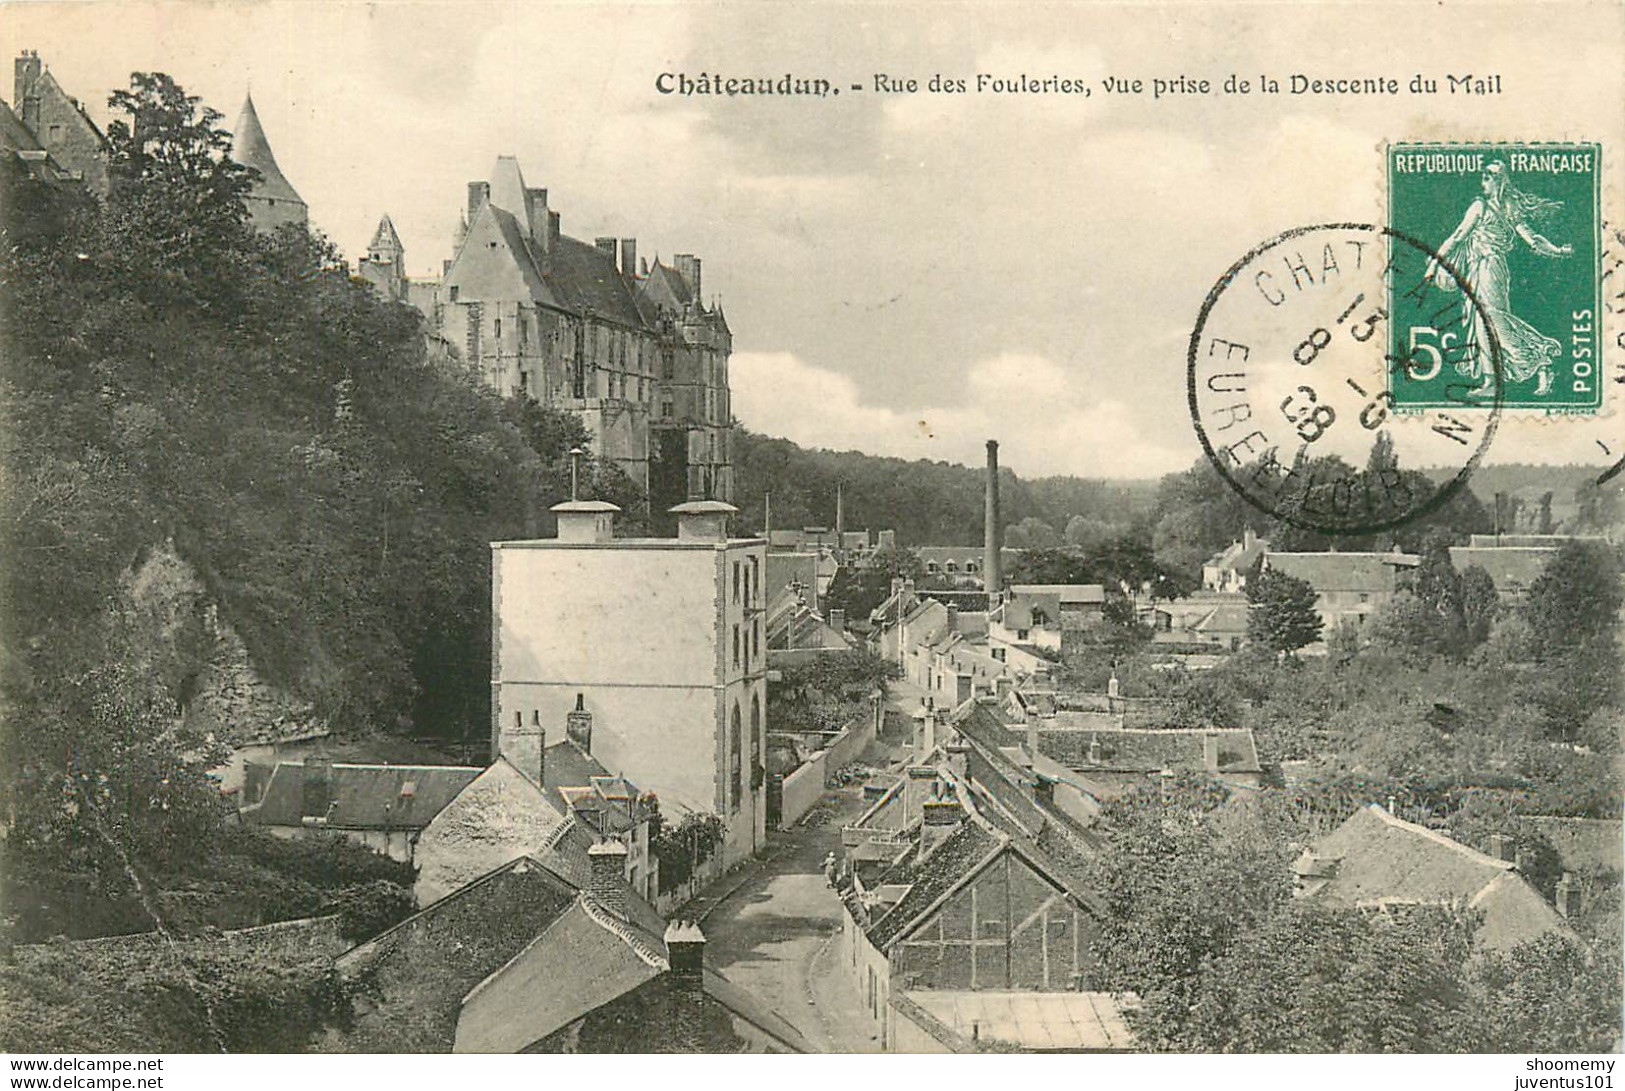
(1478, 250)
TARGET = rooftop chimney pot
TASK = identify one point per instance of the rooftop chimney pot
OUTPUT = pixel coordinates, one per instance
(608, 862)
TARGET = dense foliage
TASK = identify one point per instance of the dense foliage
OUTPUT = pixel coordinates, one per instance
(926, 503)
(1197, 916)
(174, 380)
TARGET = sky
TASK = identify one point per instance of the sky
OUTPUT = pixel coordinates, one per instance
(905, 274)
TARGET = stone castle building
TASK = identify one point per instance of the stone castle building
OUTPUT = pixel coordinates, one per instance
(50, 129)
(629, 346)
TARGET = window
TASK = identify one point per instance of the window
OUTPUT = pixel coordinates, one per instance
(454, 293)
(734, 765)
(496, 329)
(736, 645)
(736, 581)
(756, 752)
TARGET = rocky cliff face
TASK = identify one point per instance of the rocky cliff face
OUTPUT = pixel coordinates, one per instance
(183, 639)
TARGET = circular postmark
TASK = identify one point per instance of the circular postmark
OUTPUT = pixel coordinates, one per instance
(1291, 371)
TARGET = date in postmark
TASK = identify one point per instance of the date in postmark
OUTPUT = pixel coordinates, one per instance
(1290, 376)
(1520, 225)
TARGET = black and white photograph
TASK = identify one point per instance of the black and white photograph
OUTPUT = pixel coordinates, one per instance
(837, 528)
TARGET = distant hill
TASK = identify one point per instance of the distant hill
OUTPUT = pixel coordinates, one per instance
(927, 503)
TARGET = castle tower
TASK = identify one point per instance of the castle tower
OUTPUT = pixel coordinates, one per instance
(273, 201)
(384, 263)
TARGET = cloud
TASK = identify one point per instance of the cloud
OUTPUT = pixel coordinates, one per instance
(1044, 421)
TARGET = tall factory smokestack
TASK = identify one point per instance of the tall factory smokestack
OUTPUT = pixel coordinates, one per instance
(840, 517)
(993, 533)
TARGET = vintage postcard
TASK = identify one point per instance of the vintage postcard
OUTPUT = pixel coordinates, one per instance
(845, 528)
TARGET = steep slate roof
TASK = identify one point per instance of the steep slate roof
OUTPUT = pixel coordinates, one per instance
(250, 147)
(1150, 750)
(566, 765)
(1382, 859)
(667, 287)
(364, 797)
(418, 977)
(1511, 568)
(385, 238)
(587, 279)
(1370, 572)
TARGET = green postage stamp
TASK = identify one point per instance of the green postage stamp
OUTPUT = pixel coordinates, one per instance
(1509, 300)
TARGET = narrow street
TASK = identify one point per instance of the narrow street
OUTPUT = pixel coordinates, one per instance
(777, 933)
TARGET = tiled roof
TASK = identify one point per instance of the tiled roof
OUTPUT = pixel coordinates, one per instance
(1224, 621)
(951, 862)
(1238, 556)
(1067, 593)
(364, 797)
(1370, 572)
(671, 1014)
(1035, 1021)
(1150, 750)
(1377, 859)
(417, 973)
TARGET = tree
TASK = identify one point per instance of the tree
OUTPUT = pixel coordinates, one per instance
(1575, 600)
(1281, 614)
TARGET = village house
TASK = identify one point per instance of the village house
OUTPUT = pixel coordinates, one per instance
(1349, 587)
(1512, 568)
(530, 957)
(970, 919)
(384, 807)
(1226, 571)
(1377, 862)
(794, 626)
(650, 652)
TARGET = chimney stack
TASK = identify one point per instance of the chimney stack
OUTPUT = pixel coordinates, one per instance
(606, 244)
(993, 535)
(1095, 757)
(1568, 896)
(478, 194)
(685, 950)
(917, 788)
(837, 619)
(25, 95)
(578, 725)
(524, 745)
(1503, 847)
(629, 258)
(1210, 752)
(942, 818)
(703, 520)
(840, 518)
(585, 520)
(608, 889)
